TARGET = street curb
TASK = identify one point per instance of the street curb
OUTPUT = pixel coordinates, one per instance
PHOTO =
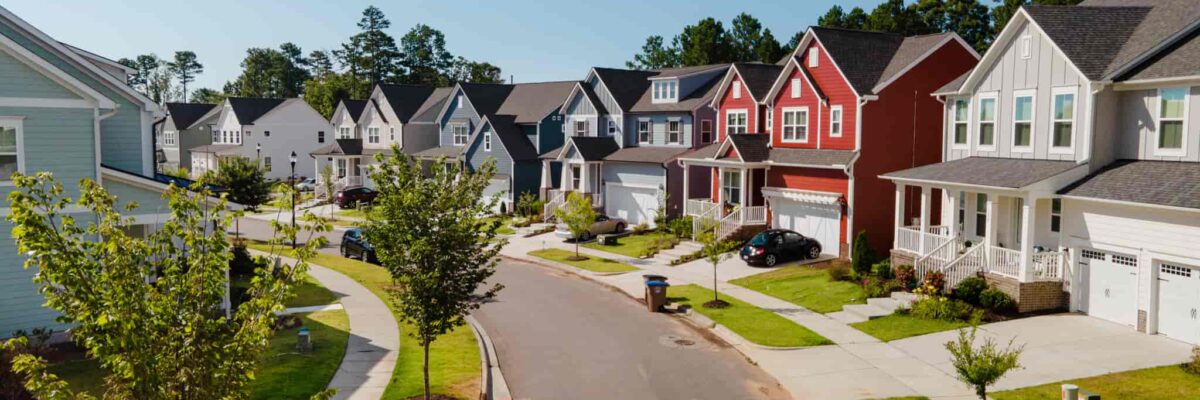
(492, 385)
(733, 338)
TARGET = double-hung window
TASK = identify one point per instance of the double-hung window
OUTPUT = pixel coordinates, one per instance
(581, 127)
(345, 132)
(987, 122)
(795, 124)
(320, 136)
(372, 135)
(835, 121)
(613, 128)
(1063, 122)
(705, 131)
(459, 134)
(1172, 109)
(962, 113)
(576, 177)
(10, 148)
(267, 163)
(1023, 120)
(169, 138)
(731, 187)
(487, 141)
(216, 136)
(981, 210)
(674, 131)
(644, 132)
(962, 211)
(735, 122)
(1055, 215)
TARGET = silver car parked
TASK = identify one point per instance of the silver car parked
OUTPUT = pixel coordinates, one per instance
(603, 224)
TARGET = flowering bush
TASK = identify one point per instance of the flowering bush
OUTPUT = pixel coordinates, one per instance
(934, 282)
(907, 276)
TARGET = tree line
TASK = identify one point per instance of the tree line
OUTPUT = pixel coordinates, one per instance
(709, 42)
(322, 77)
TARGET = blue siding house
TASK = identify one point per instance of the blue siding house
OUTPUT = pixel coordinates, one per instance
(69, 112)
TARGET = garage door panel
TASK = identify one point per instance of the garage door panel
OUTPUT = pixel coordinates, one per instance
(496, 187)
(1178, 302)
(1112, 285)
(636, 205)
(817, 221)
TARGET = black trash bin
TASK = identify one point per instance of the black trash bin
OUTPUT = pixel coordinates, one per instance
(656, 294)
(653, 277)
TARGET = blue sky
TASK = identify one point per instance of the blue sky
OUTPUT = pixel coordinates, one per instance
(525, 38)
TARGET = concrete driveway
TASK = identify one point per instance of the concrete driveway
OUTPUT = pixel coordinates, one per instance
(1059, 347)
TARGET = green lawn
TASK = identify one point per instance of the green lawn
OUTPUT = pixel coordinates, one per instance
(1165, 383)
(351, 213)
(310, 293)
(805, 286)
(755, 324)
(284, 373)
(631, 245)
(594, 264)
(454, 358)
(900, 326)
(505, 227)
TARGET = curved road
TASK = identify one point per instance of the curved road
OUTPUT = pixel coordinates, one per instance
(559, 336)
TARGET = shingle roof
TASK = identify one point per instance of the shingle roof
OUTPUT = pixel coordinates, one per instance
(186, 114)
(868, 59)
(593, 98)
(1164, 183)
(347, 147)
(486, 97)
(626, 86)
(406, 100)
(1180, 59)
(511, 136)
(953, 86)
(758, 77)
(911, 49)
(428, 111)
(751, 147)
(1165, 19)
(986, 171)
(706, 152)
(702, 96)
(440, 151)
(646, 154)
(594, 148)
(249, 109)
(530, 102)
(355, 107)
(552, 154)
(813, 157)
(1107, 30)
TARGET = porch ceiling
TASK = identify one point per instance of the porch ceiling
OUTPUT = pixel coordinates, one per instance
(1001, 173)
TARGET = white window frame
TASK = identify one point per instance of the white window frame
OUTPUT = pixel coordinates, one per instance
(576, 177)
(796, 125)
(487, 141)
(995, 121)
(1032, 95)
(841, 114)
(737, 89)
(373, 135)
(345, 132)
(645, 131)
(1056, 214)
(744, 122)
(954, 122)
(613, 128)
(796, 88)
(170, 138)
(665, 91)
(586, 125)
(1026, 44)
(1054, 93)
(216, 136)
(981, 210)
(457, 138)
(391, 134)
(18, 124)
(267, 164)
(1159, 119)
(770, 120)
(726, 188)
(674, 136)
(458, 101)
(814, 60)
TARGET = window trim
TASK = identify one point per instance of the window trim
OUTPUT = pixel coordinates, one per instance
(1054, 215)
(1158, 120)
(373, 136)
(18, 124)
(954, 122)
(678, 131)
(796, 88)
(487, 141)
(267, 164)
(613, 127)
(1026, 47)
(320, 136)
(454, 136)
(745, 125)
(814, 59)
(171, 138)
(649, 131)
(1054, 93)
(795, 132)
(995, 121)
(981, 210)
(575, 125)
(737, 89)
(841, 116)
(1032, 95)
(576, 177)
(770, 120)
(725, 187)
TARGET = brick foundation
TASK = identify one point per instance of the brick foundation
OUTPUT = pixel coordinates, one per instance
(900, 257)
(1030, 296)
(1141, 324)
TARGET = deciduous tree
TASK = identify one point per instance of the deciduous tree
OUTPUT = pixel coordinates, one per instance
(578, 214)
(714, 250)
(244, 180)
(704, 43)
(465, 70)
(981, 366)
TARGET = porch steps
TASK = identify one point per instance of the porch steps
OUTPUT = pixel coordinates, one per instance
(875, 308)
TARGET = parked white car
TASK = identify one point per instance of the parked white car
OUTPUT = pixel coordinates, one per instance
(603, 224)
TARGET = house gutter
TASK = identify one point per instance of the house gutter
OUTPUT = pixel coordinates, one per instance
(97, 117)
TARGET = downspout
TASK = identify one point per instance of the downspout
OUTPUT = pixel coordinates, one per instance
(97, 117)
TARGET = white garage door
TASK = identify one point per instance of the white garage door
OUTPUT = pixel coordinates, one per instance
(635, 205)
(817, 221)
(1112, 285)
(497, 187)
(1178, 301)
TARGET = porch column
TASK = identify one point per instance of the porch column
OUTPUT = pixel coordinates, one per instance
(547, 175)
(899, 220)
(316, 166)
(1027, 207)
(989, 239)
(925, 211)
(720, 187)
(686, 194)
(585, 181)
(565, 179)
(950, 213)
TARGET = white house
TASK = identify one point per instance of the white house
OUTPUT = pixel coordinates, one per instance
(269, 130)
(1072, 167)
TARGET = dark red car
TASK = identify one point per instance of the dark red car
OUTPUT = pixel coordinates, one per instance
(352, 197)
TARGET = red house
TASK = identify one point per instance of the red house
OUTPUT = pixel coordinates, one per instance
(804, 151)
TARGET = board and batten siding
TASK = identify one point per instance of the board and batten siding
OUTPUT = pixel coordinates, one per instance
(1044, 71)
(550, 133)
(658, 129)
(61, 141)
(458, 114)
(122, 143)
(606, 99)
(1138, 127)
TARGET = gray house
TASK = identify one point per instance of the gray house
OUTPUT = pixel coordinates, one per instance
(179, 132)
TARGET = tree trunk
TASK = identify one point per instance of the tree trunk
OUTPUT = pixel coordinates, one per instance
(981, 390)
(716, 296)
(425, 367)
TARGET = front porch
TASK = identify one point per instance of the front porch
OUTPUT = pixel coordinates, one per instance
(736, 207)
(577, 176)
(346, 171)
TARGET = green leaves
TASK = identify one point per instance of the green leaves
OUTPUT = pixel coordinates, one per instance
(983, 366)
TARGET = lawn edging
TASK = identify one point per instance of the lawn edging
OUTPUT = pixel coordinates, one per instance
(728, 335)
(492, 384)
(589, 258)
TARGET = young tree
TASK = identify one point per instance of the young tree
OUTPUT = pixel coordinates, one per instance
(430, 233)
(424, 56)
(327, 181)
(655, 55)
(185, 68)
(981, 367)
(150, 308)
(578, 215)
(714, 250)
(244, 180)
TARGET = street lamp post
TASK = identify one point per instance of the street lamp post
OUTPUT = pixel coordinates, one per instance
(258, 152)
(292, 181)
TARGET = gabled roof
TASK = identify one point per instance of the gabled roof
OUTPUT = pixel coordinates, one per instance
(646, 154)
(586, 90)
(625, 85)
(405, 100)
(751, 147)
(510, 135)
(591, 148)
(346, 147)
(429, 109)
(632, 88)
(1091, 37)
(757, 77)
(486, 97)
(249, 109)
(702, 96)
(1161, 183)
(1167, 22)
(354, 107)
(529, 103)
(953, 86)
(186, 114)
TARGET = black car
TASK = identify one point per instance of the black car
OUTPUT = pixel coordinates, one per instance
(354, 245)
(774, 246)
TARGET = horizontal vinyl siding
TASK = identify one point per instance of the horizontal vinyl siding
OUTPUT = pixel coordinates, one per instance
(476, 155)
(148, 201)
(838, 92)
(21, 306)
(19, 80)
(57, 140)
(658, 129)
(745, 102)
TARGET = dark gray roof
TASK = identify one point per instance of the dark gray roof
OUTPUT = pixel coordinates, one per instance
(626, 86)
(406, 100)
(594, 148)
(870, 58)
(953, 86)
(530, 102)
(646, 154)
(702, 96)
(751, 147)
(681, 71)
(812, 157)
(552, 154)
(487, 97)
(591, 95)
(428, 112)
(514, 140)
(440, 151)
(1163, 183)
(186, 114)
(707, 152)
(758, 77)
(355, 107)
(214, 148)
(1107, 30)
(1166, 19)
(1180, 59)
(249, 109)
(986, 171)
(345, 147)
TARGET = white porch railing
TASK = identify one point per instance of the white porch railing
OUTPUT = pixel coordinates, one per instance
(1048, 266)
(1004, 261)
(741, 216)
(557, 197)
(697, 207)
(968, 264)
(938, 258)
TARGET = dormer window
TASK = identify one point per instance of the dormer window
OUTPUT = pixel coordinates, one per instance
(665, 91)
(812, 57)
(795, 88)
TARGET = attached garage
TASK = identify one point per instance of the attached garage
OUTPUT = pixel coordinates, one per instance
(1112, 281)
(498, 186)
(1178, 301)
(814, 214)
(635, 204)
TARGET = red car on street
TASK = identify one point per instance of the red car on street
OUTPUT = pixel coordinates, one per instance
(352, 197)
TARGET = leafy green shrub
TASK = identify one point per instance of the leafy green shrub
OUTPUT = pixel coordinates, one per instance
(839, 272)
(969, 289)
(883, 269)
(242, 263)
(878, 287)
(640, 228)
(1193, 366)
(995, 300)
(942, 308)
(528, 205)
(863, 256)
(907, 276)
(520, 222)
(680, 227)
